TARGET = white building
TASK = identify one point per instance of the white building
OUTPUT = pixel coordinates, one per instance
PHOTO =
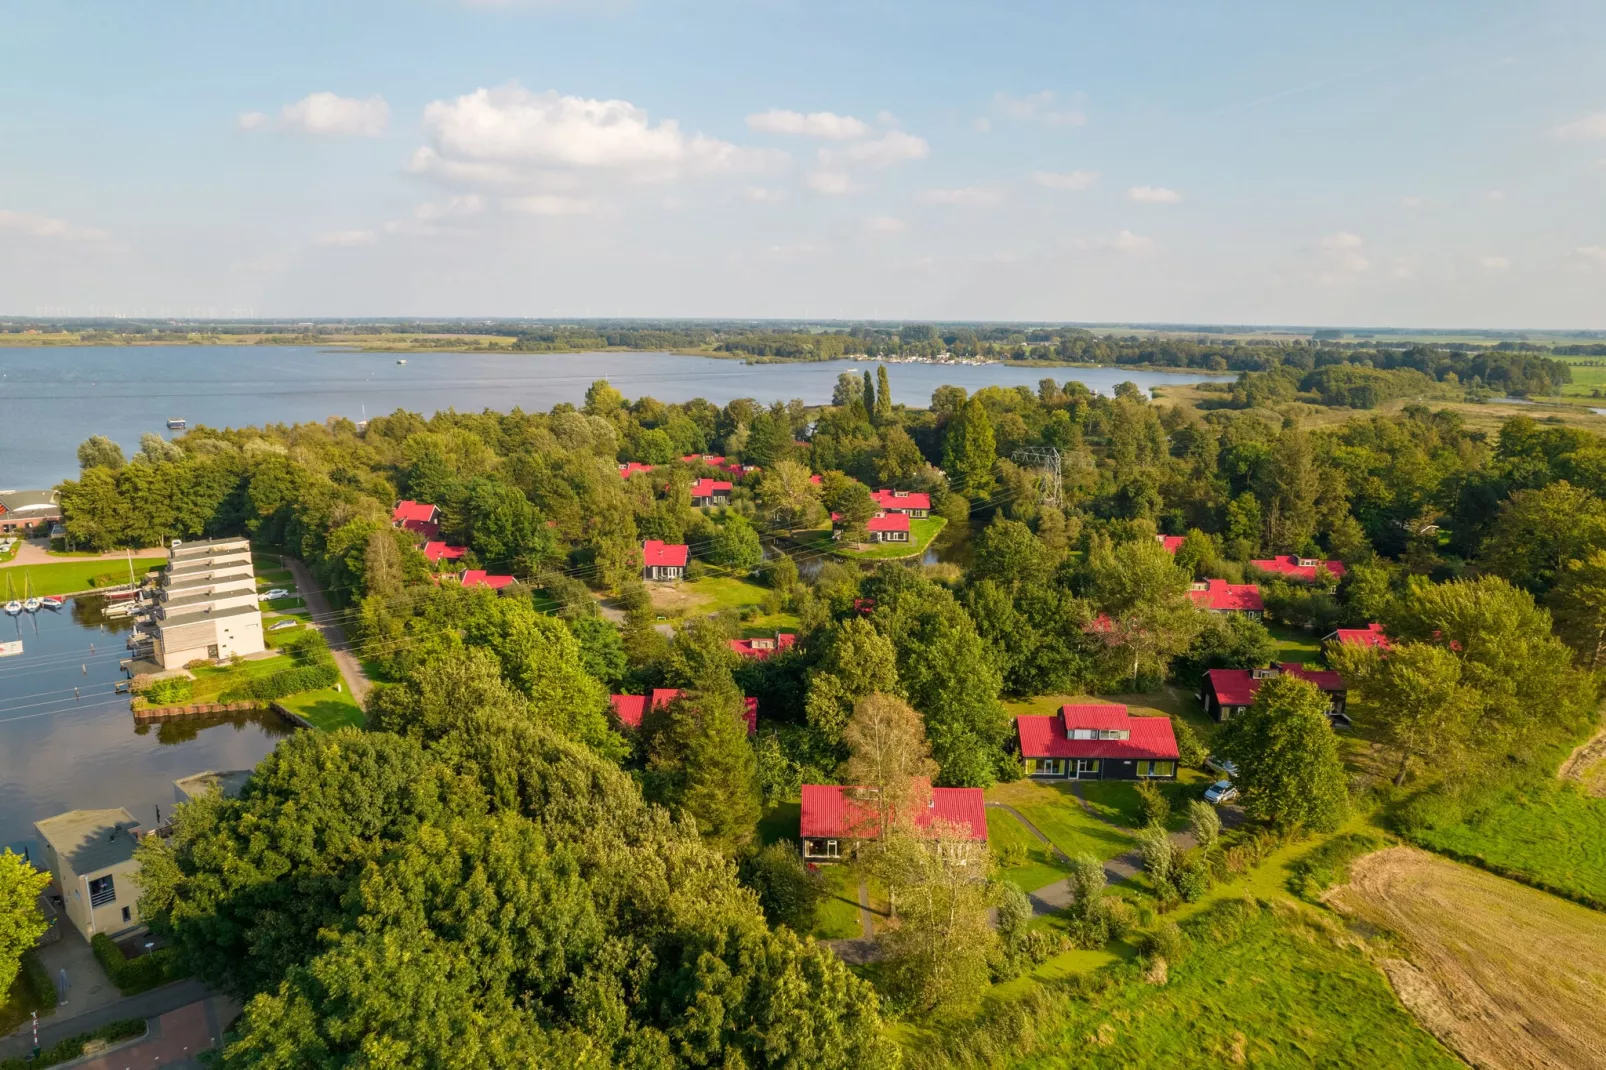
(206, 605)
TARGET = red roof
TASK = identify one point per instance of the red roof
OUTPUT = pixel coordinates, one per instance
(703, 458)
(1237, 687)
(741, 471)
(477, 577)
(1221, 595)
(1049, 737)
(630, 709)
(1172, 543)
(707, 488)
(631, 468)
(656, 552)
(663, 696)
(816, 479)
(439, 551)
(902, 499)
(1302, 569)
(417, 512)
(888, 522)
(829, 812)
(763, 646)
(1371, 635)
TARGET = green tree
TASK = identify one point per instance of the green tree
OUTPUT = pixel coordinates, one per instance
(889, 759)
(602, 651)
(900, 459)
(1008, 553)
(98, 451)
(21, 923)
(789, 894)
(870, 403)
(857, 661)
(1538, 531)
(769, 437)
(1204, 822)
(603, 399)
(850, 500)
(701, 764)
(736, 544)
(791, 499)
(940, 951)
(1139, 587)
(1578, 603)
(1424, 710)
(970, 451)
(882, 412)
(1289, 771)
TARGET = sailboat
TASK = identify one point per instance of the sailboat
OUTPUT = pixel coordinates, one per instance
(30, 602)
(13, 606)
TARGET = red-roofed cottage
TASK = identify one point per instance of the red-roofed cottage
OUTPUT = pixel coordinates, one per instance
(883, 527)
(663, 560)
(763, 646)
(708, 491)
(910, 502)
(1219, 596)
(831, 818)
(1098, 741)
(1172, 543)
(630, 709)
(713, 459)
(477, 577)
(1371, 635)
(437, 551)
(1299, 569)
(1226, 693)
(631, 468)
(420, 518)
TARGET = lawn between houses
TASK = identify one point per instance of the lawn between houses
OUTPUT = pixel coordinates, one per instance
(72, 577)
(922, 530)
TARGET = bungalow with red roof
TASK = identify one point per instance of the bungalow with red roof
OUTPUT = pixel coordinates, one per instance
(1098, 741)
(1172, 543)
(437, 551)
(1299, 569)
(909, 502)
(883, 527)
(630, 709)
(762, 647)
(738, 470)
(713, 459)
(663, 560)
(1371, 635)
(630, 468)
(1226, 693)
(1219, 596)
(831, 818)
(420, 518)
(708, 491)
(477, 577)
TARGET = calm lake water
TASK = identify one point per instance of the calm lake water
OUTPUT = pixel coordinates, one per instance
(63, 752)
(53, 399)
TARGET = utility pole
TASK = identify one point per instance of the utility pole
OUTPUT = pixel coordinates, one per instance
(1047, 458)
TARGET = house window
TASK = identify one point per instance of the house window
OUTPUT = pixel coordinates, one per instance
(833, 849)
(1153, 769)
(1114, 733)
(102, 891)
(128, 915)
(1086, 766)
(1081, 733)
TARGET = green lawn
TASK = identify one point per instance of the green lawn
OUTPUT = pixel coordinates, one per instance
(326, 708)
(68, 577)
(1053, 808)
(274, 577)
(213, 680)
(838, 917)
(921, 531)
(1118, 799)
(1042, 865)
(780, 822)
(711, 594)
(1295, 644)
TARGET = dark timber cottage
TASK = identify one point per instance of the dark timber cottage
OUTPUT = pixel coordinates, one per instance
(1098, 742)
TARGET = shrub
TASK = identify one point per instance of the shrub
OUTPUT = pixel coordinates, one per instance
(1328, 864)
(1164, 941)
(132, 976)
(1153, 805)
(1205, 823)
(1193, 879)
(170, 690)
(787, 892)
(1190, 751)
(287, 682)
(72, 1047)
(38, 980)
(1011, 855)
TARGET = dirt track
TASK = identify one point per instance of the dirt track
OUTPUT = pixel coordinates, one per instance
(1505, 975)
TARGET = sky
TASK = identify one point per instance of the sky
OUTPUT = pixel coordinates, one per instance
(1431, 164)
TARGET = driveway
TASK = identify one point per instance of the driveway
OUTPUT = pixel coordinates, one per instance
(324, 619)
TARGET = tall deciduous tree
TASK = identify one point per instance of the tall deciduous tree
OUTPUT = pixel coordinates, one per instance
(970, 450)
(883, 397)
(858, 661)
(735, 544)
(888, 757)
(1144, 595)
(1538, 531)
(701, 764)
(21, 923)
(1578, 602)
(1289, 771)
(1424, 710)
(939, 953)
(98, 451)
(869, 395)
(789, 496)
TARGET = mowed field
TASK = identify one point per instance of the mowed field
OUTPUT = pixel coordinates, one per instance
(1506, 975)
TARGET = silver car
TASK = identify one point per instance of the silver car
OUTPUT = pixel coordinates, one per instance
(1221, 791)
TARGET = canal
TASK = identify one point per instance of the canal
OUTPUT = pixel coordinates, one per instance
(68, 741)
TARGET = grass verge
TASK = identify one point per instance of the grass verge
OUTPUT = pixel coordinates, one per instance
(326, 708)
(68, 577)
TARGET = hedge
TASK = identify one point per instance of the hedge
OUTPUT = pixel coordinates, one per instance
(133, 976)
(170, 690)
(38, 979)
(288, 682)
(71, 1048)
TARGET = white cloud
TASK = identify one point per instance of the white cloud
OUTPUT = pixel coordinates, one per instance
(1127, 242)
(763, 194)
(1036, 107)
(496, 134)
(1153, 195)
(346, 238)
(325, 114)
(962, 195)
(1493, 262)
(1412, 202)
(1403, 268)
(549, 204)
(892, 147)
(1074, 180)
(821, 124)
(885, 224)
(454, 208)
(831, 183)
(1342, 251)
(981, 124)
(1590, 126)
(38, 226)
(1596, 253)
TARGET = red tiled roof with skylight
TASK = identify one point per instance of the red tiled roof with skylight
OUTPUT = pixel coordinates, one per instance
(1150, 738)
(1371, 635)
(477, 577)
(1237, 687)
(703, 458)
(664, 554)
(763, 646)
(829, 812)
(888, 522)
(1223, 596)
(438, 551)
(1301, 569)
(902, 499)
(631, 468)
(707, 488)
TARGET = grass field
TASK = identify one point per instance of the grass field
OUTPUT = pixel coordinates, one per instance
(921, 531)
(1281, 990)
(1506, 975)
(838, 918)
(1053, 808)
(1042, 865)
(1550, 834)
(67, 577)
(1295, 644)
(326, 708)
(213, 680)
(708, 595)
(1118, 799)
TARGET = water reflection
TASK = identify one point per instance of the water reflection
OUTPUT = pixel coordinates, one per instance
(183, 729)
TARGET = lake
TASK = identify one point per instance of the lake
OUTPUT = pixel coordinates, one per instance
(60, 751)
(52, 399)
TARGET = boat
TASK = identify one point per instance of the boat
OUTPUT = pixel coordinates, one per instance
(29, 601)
(401, 360)
(176, 424)
(13, 607)
(52, 601)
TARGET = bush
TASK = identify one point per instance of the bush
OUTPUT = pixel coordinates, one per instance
(108, 579)
(133, 976)
(1011, 855)
(170, 690)
(1153, 805)
(38, 981)
(1164, 941)
(1205, 823)
(1190, 751)
(287, 682)
(1192, 879)
(787, 892)
(1328, 864)
(71, 1048)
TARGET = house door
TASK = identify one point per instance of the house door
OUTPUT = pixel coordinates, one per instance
(1087, 769)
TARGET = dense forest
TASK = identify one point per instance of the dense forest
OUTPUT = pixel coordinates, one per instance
(498, 849)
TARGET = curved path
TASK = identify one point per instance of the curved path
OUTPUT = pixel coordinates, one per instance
(325, 620)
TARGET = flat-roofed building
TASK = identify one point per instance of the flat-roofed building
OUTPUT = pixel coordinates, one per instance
(90, 853)
(206, 606)
(227, 783)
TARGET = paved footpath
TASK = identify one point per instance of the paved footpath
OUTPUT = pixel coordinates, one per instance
(152, 1004)
(326, 622)
(175, 1038)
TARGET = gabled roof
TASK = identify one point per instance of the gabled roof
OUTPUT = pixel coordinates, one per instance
(631, 468)
(477, 577)
(763, 647)
(663, 696)
(738, 470)
(714, 459)
(629, 708)
(1301, 569)
(829, 812)
(664, 554)
(1237, 687)
(888, 522)
(707, 488)
(902, 499)
(1150, 738)
(1371, 635)
(413, 512)
(1221, 595)
(439, 551)
(1172, 543)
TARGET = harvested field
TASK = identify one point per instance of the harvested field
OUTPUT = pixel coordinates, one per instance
(1506, 975)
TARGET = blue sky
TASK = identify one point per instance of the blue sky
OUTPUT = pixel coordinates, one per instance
(1432, 164)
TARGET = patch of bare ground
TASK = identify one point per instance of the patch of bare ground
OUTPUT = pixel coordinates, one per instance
(1587, 765)
(1507, 976)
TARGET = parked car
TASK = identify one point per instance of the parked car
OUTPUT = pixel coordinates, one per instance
(1222, 766)
(276, 592)
(1221, 791)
